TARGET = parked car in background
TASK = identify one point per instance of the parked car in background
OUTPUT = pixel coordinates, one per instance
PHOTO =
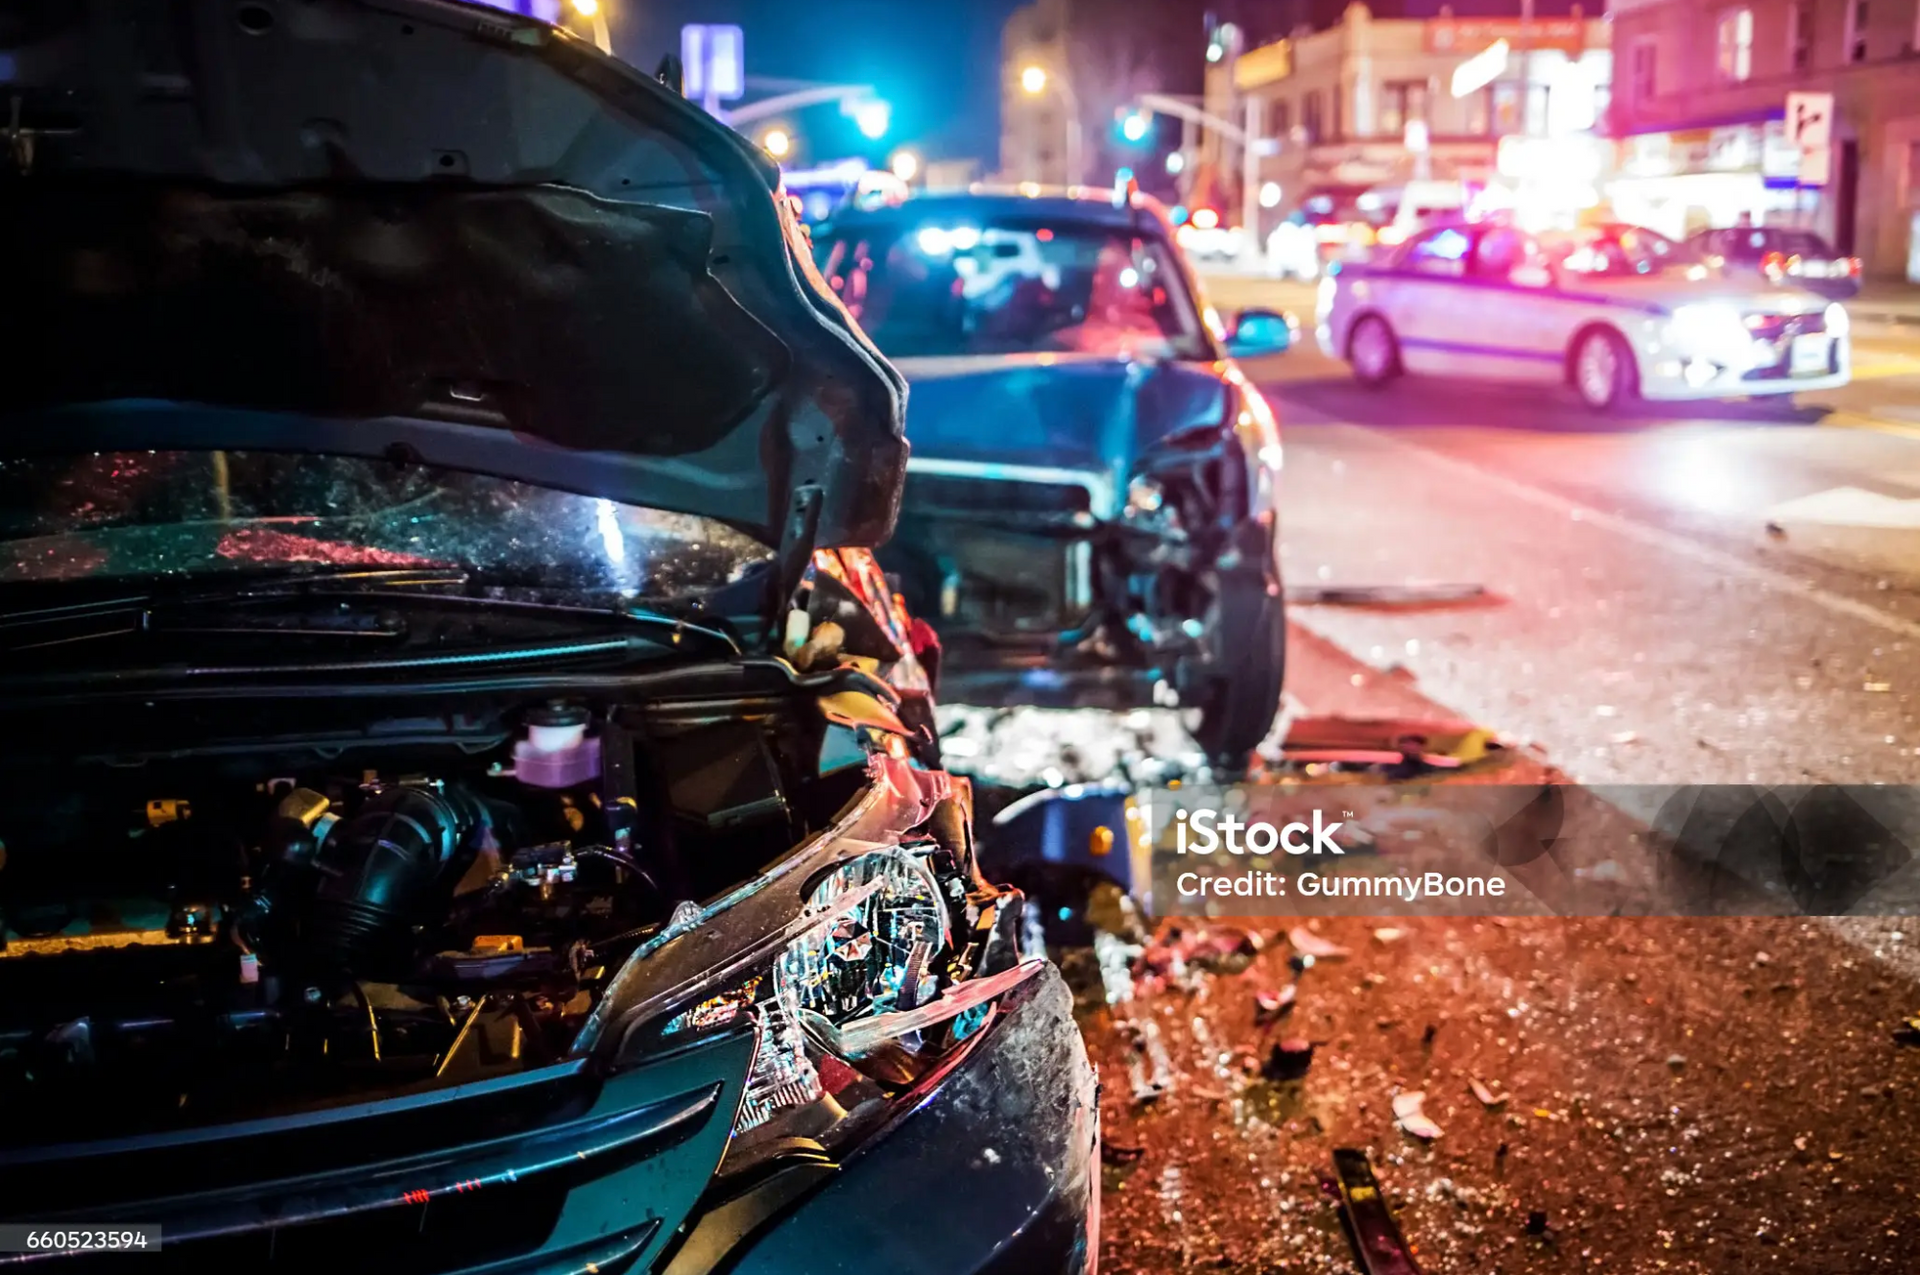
(1779, 255)
(1091, 503)
(469, 795)
(1615, 311)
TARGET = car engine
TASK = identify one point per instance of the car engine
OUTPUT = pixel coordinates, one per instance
(190, 939)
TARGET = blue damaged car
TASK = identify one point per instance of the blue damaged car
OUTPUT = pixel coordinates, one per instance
(1090, 510)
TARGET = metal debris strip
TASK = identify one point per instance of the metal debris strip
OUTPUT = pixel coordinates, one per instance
(1386, 595)
(1375, 1236)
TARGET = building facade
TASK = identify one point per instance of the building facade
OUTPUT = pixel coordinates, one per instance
(1377, 101)
(1700, 109)
(1034, 125)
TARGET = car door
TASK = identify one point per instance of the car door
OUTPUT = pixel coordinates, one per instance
(1431, 303)
(1523, 325)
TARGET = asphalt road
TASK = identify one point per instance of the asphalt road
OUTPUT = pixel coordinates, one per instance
(1727, 593)
(1709, 593)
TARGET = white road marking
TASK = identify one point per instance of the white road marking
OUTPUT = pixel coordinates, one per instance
(1657, 538)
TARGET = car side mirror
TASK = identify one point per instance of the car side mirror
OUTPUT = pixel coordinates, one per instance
(1259, 331)
(1531, 275)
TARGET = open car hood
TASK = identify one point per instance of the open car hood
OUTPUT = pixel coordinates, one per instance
(421, 230)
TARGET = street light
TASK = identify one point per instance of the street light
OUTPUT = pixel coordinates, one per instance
(777, 142)
(873, 118)
(1035, 80)
(590, 10)
(905, 165)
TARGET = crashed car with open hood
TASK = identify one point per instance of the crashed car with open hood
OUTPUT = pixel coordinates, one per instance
(1091, 506)
(467, 799)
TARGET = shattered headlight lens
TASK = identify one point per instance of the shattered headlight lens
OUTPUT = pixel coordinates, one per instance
(883, 924)
(871, 990)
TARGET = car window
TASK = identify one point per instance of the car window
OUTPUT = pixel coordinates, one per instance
(1440, 252)
(924, 289)
(1503, 250)
(1624, 250)
(1753, 244)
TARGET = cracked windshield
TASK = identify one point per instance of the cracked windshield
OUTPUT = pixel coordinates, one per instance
(978, 637)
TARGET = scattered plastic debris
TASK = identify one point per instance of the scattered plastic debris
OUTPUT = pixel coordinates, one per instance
(1270, 1007)
(1411, 1119)
(1878, 688)
(1624, 737)
(1307, 943)
(1488, 1098)
(1377, 1243)
(1908, 1032)
(1149, 1068)
(1384, 595)
(1288, 1060)
(1388, 934)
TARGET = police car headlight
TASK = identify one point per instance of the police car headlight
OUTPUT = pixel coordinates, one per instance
(1710, 331)
(1838, 324)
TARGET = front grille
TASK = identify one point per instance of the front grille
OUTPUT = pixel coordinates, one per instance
(945, 493)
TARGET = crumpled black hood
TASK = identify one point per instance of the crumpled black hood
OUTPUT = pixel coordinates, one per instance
(409, 228)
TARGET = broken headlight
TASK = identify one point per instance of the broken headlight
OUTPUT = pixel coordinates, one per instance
(868, 993)
(883, 923)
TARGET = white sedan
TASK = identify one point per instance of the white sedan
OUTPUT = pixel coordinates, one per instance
(1615, 311)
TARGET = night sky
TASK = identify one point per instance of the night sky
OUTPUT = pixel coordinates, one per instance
(935, 61)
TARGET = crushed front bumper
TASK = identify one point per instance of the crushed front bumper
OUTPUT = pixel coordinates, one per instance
(994, 1171)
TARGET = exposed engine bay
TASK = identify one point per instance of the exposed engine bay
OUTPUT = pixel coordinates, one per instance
(217, 935)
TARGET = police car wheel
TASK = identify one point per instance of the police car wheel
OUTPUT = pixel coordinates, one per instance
(1602, 371)
(1374, 353)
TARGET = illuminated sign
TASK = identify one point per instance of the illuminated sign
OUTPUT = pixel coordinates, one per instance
(1480, 70)
(1451, 35)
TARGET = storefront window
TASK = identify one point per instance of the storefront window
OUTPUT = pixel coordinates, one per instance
(1402, 102)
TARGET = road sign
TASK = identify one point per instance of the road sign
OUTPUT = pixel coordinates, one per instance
(1810, 129)
(715, 61)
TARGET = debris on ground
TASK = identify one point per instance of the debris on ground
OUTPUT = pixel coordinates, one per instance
(1908, 1032)
(1270, 1007)
(1377, 1243)
(1307, 943)
(1289, 1059)
(1411, 1119)
(1112, 1152)
(1149, 1066)
(1488, 1098)
(1181, 946)
(1388, 934)
(1537, 1222)
(1385, 595)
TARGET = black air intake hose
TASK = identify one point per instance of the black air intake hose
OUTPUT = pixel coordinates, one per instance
(386, 868)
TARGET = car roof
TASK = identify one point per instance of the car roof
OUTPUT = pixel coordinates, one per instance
(1087, 205)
